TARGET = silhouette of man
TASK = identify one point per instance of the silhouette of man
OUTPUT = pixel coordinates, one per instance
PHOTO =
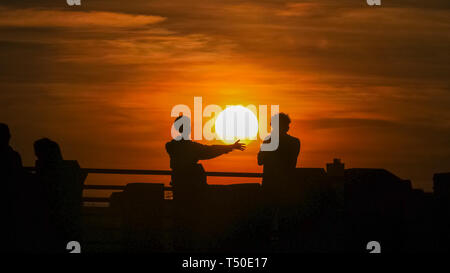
(10, 170)
(188, 176)
(279, 167)
(280, 164)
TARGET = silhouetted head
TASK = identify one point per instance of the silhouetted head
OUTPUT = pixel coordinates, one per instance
(182, 125)
(284, 121)
(47, 151)
(5, 135)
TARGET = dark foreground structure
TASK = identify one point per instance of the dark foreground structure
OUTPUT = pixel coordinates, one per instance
(338, 210)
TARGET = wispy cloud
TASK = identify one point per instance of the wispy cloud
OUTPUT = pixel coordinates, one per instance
(70, 19)
(299, 9)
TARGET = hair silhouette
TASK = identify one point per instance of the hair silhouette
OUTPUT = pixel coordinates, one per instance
(47, 151)
(284, 121)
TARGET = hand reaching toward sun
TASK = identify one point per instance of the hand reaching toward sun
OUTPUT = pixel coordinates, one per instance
(239, 146)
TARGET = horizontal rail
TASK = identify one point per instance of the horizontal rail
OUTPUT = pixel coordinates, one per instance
(160, 172)
(113, 187)
(142, 172)
(97, 199)
(103, 187)
(129, 172)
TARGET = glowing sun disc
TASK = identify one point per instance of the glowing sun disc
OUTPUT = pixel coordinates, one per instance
(236, 122)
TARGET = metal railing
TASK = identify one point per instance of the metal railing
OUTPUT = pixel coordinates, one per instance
(143, 172)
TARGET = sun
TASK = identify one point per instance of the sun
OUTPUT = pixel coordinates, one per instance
(236, 122)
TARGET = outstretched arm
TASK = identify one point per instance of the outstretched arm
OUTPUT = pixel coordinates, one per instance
(212, 151)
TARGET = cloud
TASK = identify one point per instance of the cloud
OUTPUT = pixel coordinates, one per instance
(73, 19)
(298, 9)
(330, 123)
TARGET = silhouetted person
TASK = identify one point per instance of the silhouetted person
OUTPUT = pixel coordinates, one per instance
(279, 166)
(189, 184)
(10, 163)
(63, 185)
(10, 171)
(188, 176)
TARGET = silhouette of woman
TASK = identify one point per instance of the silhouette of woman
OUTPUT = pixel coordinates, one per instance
(62, 181)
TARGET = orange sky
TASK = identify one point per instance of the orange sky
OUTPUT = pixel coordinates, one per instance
(368, 85)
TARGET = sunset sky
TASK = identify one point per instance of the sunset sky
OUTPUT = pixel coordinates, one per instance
(369, 85)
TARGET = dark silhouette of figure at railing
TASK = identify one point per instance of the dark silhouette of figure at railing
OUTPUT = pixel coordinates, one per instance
(189, 183)
(279, 166)
(62, 182)
(10, 172)
(188, 176)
